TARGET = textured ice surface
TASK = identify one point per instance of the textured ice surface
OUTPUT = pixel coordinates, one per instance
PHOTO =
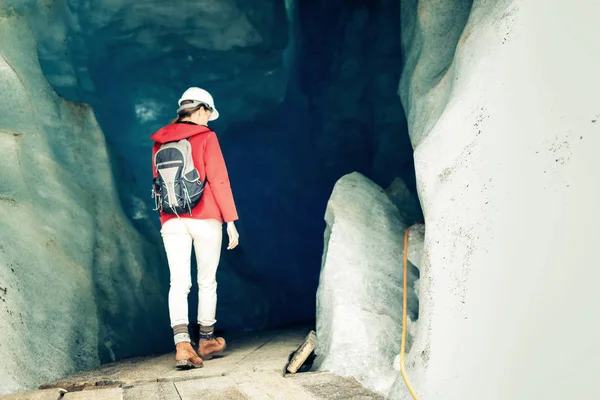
(505, 116)
(416, 240)
(77, 283)
(359, 300)
(407, 203)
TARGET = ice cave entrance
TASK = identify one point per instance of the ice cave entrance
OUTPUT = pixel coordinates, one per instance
(308, 96)
(295, 118)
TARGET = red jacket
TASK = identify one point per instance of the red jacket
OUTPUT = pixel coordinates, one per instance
(217, 200)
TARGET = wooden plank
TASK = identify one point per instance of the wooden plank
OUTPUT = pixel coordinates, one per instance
(66, 386)
(303, 352)
(325, 385)
(273, 356)
(237, 351)
(49, 394)
(114, 386)
(152, 391)
(126, 372)
(83, 385)
(103, 394)
(271, 386)
(221, 388)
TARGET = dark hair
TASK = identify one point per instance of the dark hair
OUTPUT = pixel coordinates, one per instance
(188, 111)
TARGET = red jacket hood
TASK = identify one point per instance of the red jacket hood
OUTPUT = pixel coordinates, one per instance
(175, 132)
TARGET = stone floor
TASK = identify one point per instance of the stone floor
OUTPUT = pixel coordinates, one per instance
(251, 368)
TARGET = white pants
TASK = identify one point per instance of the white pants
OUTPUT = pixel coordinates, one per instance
(178, 234)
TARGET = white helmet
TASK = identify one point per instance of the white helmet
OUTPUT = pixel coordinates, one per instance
(198, 96)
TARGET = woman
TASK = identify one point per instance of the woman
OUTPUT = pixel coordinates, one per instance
(203, 227)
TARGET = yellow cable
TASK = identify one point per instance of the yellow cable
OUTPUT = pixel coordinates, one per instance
(404, 301)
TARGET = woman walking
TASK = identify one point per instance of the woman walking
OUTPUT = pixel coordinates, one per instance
(200, 223)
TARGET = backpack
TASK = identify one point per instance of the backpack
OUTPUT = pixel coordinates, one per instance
(177, 188)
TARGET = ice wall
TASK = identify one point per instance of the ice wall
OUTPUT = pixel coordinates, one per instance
(78, 285)
(505, 118)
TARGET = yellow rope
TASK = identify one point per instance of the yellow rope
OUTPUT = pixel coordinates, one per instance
(404, 301)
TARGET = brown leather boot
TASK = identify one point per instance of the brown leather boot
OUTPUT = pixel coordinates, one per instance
(186, 357)
(207, 349)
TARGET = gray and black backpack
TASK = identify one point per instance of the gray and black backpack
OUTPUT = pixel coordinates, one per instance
(177, 188)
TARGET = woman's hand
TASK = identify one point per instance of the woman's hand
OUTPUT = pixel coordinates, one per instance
(234, 237)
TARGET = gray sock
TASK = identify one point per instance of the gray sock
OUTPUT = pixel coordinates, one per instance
(181, 333)
(207, 332)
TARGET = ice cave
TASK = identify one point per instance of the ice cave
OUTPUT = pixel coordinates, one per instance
(343, 123)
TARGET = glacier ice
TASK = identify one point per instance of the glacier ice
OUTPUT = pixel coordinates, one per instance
(78, 284)
(359, 299)
(408, 205)
(503, 108)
